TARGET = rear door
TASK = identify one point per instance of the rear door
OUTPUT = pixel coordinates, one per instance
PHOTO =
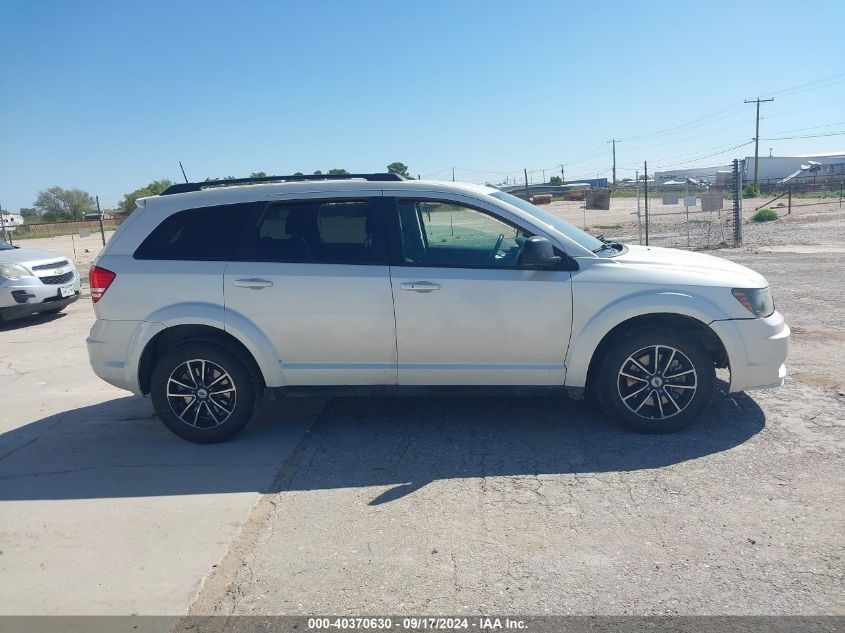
(313, 276)
(467, 311)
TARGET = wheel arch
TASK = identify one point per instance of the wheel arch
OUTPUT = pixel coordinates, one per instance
(175, 335)
(673, 321)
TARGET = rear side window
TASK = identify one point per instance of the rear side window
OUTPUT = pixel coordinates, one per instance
(321, 232)
(207, 233)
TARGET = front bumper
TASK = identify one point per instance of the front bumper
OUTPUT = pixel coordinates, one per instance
(23, 297)
(757, 350)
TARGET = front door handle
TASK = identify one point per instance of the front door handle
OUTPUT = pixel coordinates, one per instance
(254, 283)
(420, 286)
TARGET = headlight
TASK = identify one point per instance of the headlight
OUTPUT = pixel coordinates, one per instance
(13, 271)
(758, 301)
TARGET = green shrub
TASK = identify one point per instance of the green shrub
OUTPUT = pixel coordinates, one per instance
(749, 191)
(765, 215)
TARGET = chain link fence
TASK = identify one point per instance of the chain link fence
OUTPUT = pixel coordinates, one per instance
(789, 195)
(23, 232)
(694, 213)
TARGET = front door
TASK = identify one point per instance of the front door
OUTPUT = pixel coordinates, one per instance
(313, 276)
(467, 312)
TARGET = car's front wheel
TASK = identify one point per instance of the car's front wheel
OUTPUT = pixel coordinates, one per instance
(656, 381)
(203, 393)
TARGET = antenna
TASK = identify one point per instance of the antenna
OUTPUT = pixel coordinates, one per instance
(183, 171)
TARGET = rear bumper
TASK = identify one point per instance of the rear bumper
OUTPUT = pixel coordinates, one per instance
(114, 350)
(757, 350)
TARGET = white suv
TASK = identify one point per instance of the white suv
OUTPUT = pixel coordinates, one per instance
(211, 295)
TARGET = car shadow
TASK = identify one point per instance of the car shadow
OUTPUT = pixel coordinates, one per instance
(29, 321)
(119, 449)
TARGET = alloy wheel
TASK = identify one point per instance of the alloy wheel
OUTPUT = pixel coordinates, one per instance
(201, 393)
(657, 382)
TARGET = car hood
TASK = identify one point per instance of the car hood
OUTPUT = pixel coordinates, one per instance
(710, 270)
(29, 256)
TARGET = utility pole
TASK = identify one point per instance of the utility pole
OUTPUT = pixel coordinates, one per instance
(527, 191)
(614, 141)
(562, 175)
(2, 225)
(758, 101)
(453, 174)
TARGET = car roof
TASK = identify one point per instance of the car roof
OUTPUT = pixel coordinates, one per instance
(215, 195)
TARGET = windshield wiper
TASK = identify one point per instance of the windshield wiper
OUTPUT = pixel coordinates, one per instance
(606, 244)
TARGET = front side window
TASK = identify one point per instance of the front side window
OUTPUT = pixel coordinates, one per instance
(575, 234)
(320, 232)
(445, 233)
(207, 233)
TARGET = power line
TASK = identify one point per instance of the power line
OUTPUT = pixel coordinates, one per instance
(786, 138)
(692, 160)
(816, 84)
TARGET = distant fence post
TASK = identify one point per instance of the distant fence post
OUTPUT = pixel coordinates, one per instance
(645, 183)
(737, 195)
(2, 226)
(789, 207)
(100, 216)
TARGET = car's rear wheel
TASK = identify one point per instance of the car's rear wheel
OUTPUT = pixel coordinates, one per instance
(656, 381)
(203, 393)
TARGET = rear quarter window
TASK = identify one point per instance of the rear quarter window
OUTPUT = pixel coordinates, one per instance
(206, 233)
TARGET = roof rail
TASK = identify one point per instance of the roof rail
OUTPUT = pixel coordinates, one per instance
(207, 184)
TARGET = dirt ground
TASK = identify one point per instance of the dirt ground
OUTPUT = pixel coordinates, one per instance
(435, 505)
(668, 223)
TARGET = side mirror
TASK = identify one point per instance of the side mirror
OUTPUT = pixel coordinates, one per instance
(538, 251)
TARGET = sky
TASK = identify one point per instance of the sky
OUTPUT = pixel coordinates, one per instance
(107, 96)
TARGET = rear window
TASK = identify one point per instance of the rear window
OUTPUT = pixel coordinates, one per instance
(207, 233)
(321, 232)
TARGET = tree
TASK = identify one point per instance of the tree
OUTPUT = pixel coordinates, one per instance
(555, 181)
(29, 214)
(338, 172)
(258, 174)
(299, 173)
(318, 173)
(56, 203)
(127, 205)
(398, 168)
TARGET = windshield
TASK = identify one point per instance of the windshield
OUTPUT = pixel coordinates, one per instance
(5, 246)
(575, 234)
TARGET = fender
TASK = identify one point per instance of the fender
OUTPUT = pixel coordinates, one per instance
(213, 315)
(587, 336)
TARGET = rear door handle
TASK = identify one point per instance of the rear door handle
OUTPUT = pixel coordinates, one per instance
(254, 283)
(420, 286)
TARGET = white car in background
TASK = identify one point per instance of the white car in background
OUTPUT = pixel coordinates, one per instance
(35, 282)
(211, 295)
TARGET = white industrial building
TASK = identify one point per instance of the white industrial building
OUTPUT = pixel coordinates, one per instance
(703, 174)
(775, 168)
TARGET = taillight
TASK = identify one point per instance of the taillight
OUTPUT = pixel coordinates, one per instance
(99, 280)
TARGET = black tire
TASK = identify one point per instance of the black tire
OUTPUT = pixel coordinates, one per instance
(668, 398)
(210, 424)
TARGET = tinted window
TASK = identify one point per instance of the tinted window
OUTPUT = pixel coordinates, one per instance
(208, 233)
(449, 234)
(321, 231)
